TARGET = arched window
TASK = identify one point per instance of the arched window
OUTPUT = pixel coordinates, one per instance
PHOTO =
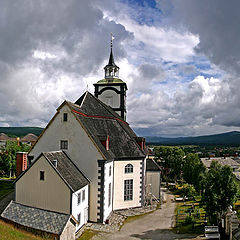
(129, 168)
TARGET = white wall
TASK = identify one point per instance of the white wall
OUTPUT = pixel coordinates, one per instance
(81, 150)
(80, 208)
(153, 183)
(108, 179)
(51, 194)
(119, 177)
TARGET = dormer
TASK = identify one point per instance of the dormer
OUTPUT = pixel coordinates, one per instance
(104, 139)
(141, 142)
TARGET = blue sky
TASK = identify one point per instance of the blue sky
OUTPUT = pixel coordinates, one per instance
(179, 58)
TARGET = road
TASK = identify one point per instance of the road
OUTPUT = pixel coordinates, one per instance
(156, 226)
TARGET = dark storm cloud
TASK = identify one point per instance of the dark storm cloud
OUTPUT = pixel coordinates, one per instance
(217, 24)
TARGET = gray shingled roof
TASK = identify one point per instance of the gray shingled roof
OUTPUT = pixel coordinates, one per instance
(152, 165)
(223, 161)
(100, 120)
(67, 169)
(51, 222)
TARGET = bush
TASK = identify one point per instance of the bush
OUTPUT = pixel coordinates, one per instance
(189, 220)
(186, 190)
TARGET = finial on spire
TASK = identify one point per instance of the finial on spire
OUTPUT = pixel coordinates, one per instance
(112, 38)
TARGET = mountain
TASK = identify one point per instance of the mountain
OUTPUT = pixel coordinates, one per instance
(20, 131)
(228, 139)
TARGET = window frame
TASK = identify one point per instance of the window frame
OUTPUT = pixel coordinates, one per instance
(109, 194)
(128, 168)
(64, 144)
(65, 117)
(42, 176)
(83, 195)
(128, 189)
(79, 199)
(110, 171)
(79, 219)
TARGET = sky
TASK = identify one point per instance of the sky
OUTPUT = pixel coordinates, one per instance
(179, 58)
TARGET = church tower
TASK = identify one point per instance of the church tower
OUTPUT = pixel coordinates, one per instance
(112, 90)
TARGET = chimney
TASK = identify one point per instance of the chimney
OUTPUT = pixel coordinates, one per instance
(105, 141)
(141, 142)
(21, 162)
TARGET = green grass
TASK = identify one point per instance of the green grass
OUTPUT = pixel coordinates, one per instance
(5, 188)
(8, 232)
(87, 235)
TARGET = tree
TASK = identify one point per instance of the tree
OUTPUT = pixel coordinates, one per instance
(193, 170)
(8, 156)
(220, 191)
(171, 159)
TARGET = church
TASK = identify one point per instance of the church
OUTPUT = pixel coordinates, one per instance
(87, 149)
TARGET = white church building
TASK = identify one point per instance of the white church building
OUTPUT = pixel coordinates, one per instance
(101, 151)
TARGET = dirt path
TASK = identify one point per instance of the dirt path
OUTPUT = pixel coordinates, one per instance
(156, 225)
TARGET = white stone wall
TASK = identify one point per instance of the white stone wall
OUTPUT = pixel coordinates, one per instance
(80, 208)
(119, 177)
(68, 232)
(81, 150)
(108, 179)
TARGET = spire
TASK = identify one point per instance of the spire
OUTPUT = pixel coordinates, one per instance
(111, 69)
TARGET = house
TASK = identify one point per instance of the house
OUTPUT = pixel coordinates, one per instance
(3, 139)
(153, 179)
(29, 139)
(222, 161)
(54, 183)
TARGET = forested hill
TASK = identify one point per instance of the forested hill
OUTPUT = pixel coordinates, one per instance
(20, 131)
(228, 139)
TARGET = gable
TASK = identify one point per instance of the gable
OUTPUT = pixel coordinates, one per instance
(72, 131)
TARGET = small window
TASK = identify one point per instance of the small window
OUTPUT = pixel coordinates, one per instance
(64, 144)
(110, 171)
(65, 117)
(129, 168)
(79, 198)
(109, 194)
(79, 219)
(41, 175)
(128, 189)
(83, 195)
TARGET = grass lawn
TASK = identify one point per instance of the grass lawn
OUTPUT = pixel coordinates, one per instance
(8, 232)
(87, 235)
(5, 188)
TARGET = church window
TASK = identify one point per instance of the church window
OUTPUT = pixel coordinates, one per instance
(128, 189)
(64, 144)
(79, 219)
(83, 195)
(129, 168)
(110, 171)
(41, 175)
(79, 198)
(109, 194)
(65, 117)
